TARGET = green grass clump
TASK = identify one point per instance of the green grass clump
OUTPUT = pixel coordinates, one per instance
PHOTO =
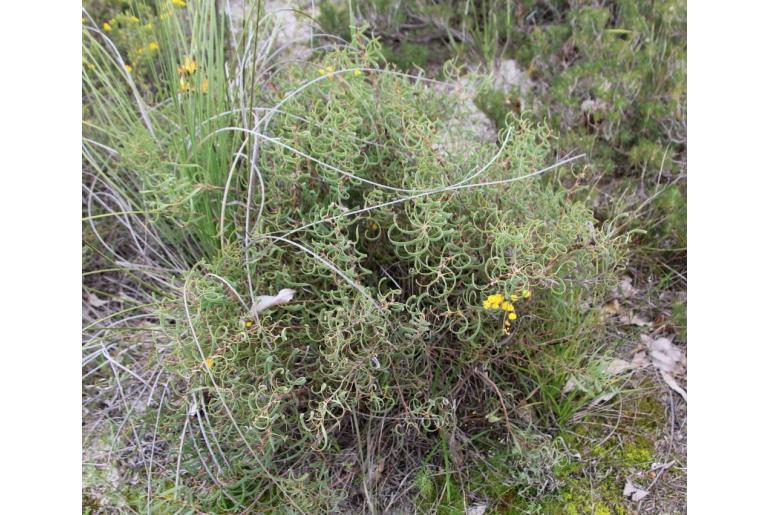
(356, 187)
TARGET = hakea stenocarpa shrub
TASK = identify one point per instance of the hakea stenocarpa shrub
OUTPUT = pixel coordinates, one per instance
(400, 311)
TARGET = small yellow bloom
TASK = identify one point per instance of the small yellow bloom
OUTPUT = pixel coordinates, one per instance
(128, 68)
(133, 19)
(321, 71)
(329, 69)
(205, 85)
(248, 324)
(494, 301)
(153, 45)
(188, 66)
(179, 3)
(209, 362)
(184, 86)
(507, 306)
(106, 26)
(357, 72)
(512, 316)
(526, 294)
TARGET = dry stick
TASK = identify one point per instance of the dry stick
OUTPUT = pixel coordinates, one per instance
(364, 480)
(208, 470)
(126, 407)
(152, 449)
(214, 436)
(224, 404)
(206, 439)
(179, 456)
(508, 424)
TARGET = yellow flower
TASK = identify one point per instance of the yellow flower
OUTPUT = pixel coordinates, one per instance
(494, 301)
(248, 324)
(209, 362)
(184, 86)
(128, 68)
(106, 26)
(188, 66)
(357, 72)
(153, 45)
(179, 3)
(526, 294)
(204, 85)
(507, 306)
(321, 71)
(512, 316)
(133, 19)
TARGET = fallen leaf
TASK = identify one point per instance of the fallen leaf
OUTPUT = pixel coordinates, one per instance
(263, 302)
(618, 366)
(602, 398)
(478, 509)
(668, 359)
(570, 385)
(612, 308)
(626, 289)
(625, 316)
(670, 381)
(96, 301)
(632, 319)
(640, 360)
(633, 492)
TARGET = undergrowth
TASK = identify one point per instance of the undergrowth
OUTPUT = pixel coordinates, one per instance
(445, 287)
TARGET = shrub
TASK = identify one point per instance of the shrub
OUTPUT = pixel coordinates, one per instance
(444, 291)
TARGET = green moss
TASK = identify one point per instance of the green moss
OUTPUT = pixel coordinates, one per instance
(581, 497)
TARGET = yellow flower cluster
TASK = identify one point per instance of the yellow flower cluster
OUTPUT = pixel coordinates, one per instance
(185, 70)
(187, 67)
(328, 71)
(498, 301)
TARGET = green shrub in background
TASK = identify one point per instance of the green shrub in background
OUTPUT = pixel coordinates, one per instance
(444, 292)
(609, 77)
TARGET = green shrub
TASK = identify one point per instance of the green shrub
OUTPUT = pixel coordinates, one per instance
(397, 227)
(389, 311)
